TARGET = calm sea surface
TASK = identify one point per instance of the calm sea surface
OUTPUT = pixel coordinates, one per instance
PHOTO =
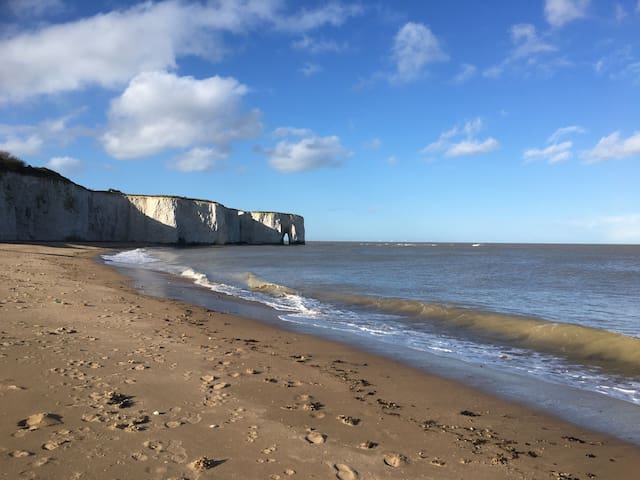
(563, 320)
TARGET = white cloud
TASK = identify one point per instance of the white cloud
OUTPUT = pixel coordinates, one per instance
(198, 159)
(108, 49)
(291, 132)
(332, 14)
(316, 46)
(529, 53)
(460, 141)
(415, 47)
(373, 144)
(555, 153)
(308, 153)
(472, 147)
(159, 110)
(527, 42)
(31, 139)
(64, 164)
(471, 127)
(614, 147)
(392, 160)
(309, 69)
(467, 71)
(25, 146)
(561, 132)
(561, 12)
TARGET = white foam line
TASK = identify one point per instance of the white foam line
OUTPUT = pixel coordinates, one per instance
(139, 256)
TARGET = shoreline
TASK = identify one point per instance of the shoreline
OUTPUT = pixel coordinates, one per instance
(236, 398)
(578, 406)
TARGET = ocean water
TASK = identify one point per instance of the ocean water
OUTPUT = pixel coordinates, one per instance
(545, 323)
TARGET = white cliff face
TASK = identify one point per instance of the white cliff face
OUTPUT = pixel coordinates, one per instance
(42, 208)
(270, 227)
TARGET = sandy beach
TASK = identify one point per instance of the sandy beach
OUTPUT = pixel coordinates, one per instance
(99, 382)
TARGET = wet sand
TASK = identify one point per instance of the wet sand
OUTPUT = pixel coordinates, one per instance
(99, 382)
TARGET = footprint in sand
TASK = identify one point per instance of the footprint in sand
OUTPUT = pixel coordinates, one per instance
(345, 472)
(55, 443)
(368, 445)
(315, 438)
(139, 456)
(42, 461)
(348, 420)
(20, 454)
(10, 388)
(203, 463)
(394, 459)
(38, 420)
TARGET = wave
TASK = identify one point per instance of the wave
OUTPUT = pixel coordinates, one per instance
(611, 350)
(139, 256)
(258, 285)
(273, 295)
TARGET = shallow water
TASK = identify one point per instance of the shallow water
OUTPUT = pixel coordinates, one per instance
(551, 316)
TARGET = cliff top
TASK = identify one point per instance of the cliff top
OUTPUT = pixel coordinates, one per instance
(10, 163)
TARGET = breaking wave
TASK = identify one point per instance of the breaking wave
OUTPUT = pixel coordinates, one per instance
(612, 350)
(139, 256)
(258, 285)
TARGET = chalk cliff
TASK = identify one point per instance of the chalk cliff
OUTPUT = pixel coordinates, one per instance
(37, 204)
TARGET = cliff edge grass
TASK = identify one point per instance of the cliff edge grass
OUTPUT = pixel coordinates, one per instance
(41, 205)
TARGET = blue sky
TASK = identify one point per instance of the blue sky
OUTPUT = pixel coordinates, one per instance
(393, 120)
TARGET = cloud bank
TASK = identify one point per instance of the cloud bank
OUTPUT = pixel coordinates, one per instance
(108, 49)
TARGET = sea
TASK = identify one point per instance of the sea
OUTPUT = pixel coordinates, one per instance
(556, 327)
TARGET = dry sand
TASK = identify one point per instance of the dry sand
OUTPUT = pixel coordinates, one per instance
(99, 382)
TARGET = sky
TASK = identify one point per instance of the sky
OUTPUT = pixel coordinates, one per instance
(457, 121)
